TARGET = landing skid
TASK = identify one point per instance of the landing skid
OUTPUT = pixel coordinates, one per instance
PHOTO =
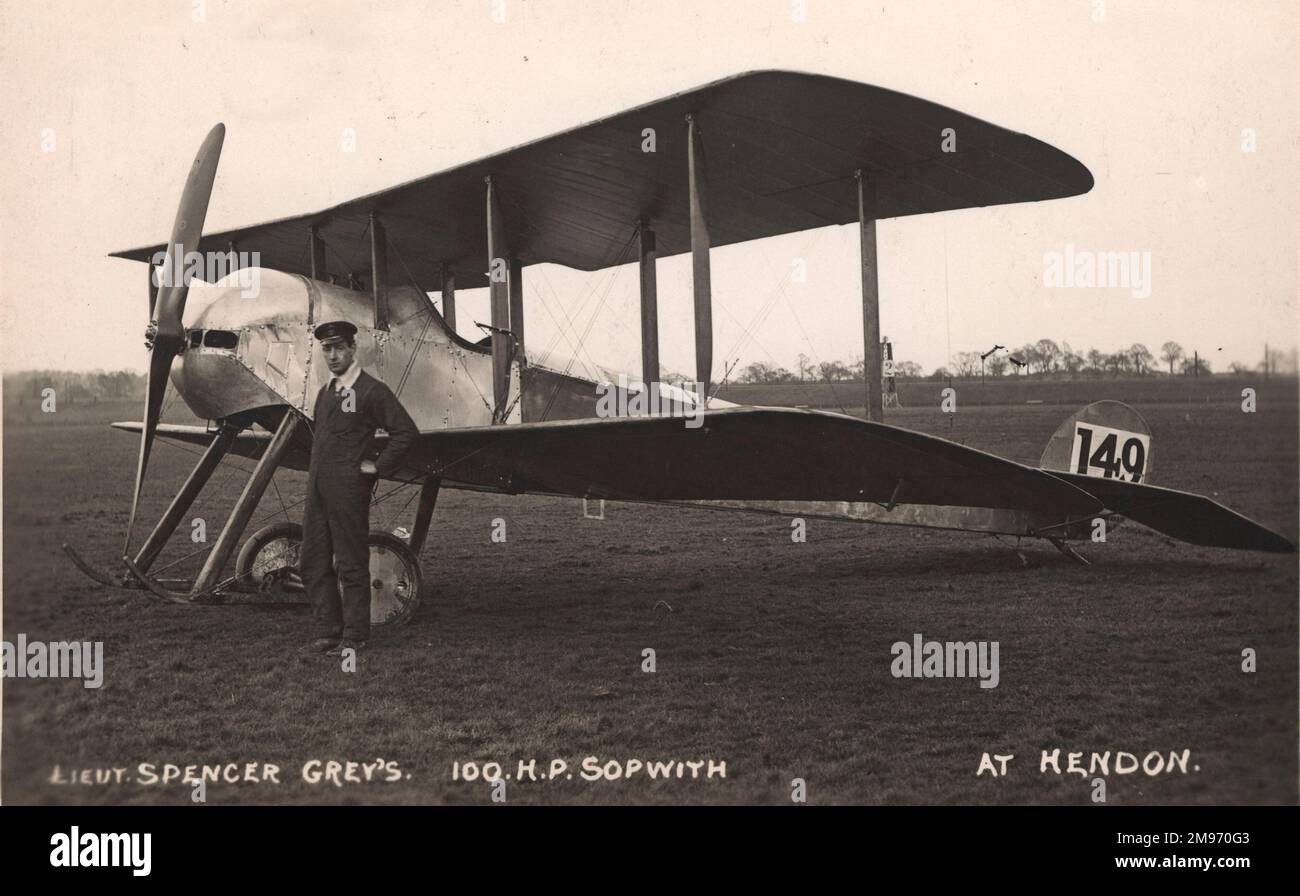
(1024, 561)
(132, 580)
(91, 572)
(1070, 552)
(136, 579)
(162, 593)
(1059, 543)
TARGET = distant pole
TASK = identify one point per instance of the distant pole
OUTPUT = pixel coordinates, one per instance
(1265, 360)
(1196, 364)
(890, 399)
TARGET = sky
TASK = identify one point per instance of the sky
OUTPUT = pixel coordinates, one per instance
(1161, 101)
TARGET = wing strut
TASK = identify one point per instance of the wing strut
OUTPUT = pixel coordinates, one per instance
(448, 279)
(700, 277)
(317, 247)
(379, 271)
(871, 371)
(499, 293)
(517, 311)
(649, 307)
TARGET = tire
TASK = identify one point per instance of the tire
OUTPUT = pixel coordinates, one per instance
(263, 566)
(268, 563)
(396, 584)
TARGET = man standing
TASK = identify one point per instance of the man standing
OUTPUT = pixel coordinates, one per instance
(336, 523)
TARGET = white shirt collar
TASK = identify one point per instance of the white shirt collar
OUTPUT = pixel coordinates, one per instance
(349, 377)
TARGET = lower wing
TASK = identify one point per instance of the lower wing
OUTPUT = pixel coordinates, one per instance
(785, 454)
(740, 453)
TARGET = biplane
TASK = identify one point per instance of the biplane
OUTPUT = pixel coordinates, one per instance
(740, 159)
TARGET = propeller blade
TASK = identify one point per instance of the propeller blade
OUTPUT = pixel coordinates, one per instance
(153, 289)
(166, 332)
(160, 363)
(186, 233)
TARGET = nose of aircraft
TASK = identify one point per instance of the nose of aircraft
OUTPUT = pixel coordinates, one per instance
(247, 344)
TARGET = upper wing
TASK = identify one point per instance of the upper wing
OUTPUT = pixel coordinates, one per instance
(741, 454)
(781, 149)
(1187, 517)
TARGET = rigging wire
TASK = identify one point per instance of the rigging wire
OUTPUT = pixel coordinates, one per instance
(614, 254)
(749, 334)
(615, 268)
(790, 305)
(589, 365)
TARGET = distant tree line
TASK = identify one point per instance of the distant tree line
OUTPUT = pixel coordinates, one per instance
(75, 385)
(1045, 358)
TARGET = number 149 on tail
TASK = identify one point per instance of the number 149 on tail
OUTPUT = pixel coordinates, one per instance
(1109, 453)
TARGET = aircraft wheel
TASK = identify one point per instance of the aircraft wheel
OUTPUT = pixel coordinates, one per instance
(396, 584)
(268, 563)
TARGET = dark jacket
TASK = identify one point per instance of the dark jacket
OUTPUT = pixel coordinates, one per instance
(341, 438)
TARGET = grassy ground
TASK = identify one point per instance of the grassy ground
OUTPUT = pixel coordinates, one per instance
(771, 656)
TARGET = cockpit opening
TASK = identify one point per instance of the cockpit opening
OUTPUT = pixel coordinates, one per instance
(221, 339)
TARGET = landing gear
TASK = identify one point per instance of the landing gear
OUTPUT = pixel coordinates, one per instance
(396, 585)
(268, 563)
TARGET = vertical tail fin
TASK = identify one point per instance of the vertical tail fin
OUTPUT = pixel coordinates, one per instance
(1106, 439)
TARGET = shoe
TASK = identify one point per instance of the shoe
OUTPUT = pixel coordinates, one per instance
(320, 645)
(346, 644)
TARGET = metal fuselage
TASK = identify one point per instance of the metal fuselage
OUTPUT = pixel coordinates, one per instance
(249, 353)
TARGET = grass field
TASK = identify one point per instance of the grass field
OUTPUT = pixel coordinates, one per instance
(770, 655)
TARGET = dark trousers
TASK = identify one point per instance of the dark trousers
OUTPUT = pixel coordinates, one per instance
(335, 526)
